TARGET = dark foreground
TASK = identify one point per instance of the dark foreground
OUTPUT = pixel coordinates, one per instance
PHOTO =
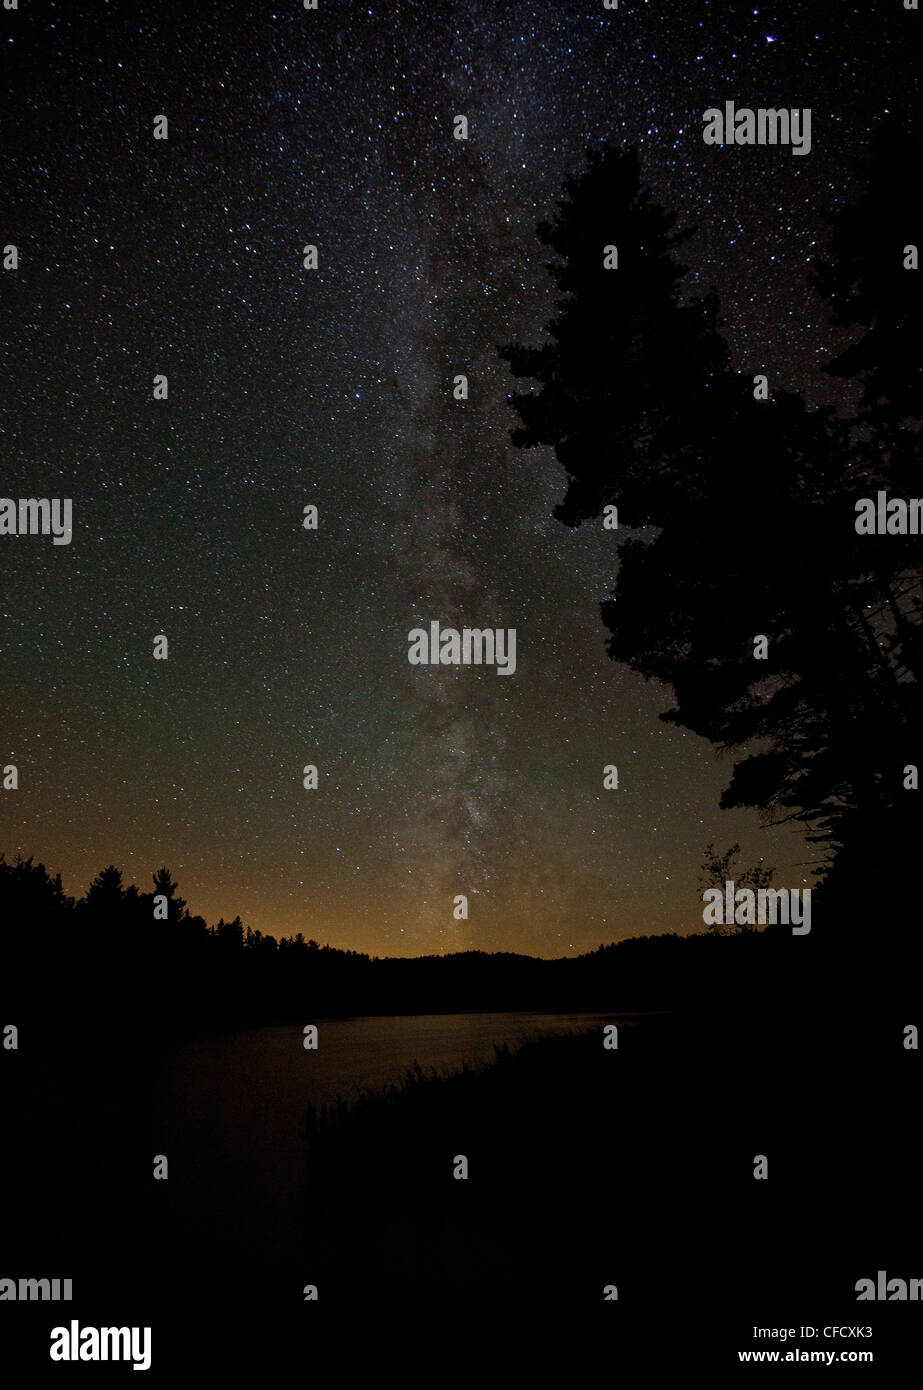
(588, 1169)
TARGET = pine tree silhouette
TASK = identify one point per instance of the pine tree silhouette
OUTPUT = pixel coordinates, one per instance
(755, 530)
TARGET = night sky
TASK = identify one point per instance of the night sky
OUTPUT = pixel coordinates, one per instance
(289, 387)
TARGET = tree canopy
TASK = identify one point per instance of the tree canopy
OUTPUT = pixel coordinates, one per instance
(741, 505)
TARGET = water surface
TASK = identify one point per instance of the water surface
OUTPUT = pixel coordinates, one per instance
(231, 1107)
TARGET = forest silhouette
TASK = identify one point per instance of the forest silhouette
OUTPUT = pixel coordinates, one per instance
(106, 954)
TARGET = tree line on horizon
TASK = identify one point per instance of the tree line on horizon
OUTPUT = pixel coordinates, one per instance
(108, 952)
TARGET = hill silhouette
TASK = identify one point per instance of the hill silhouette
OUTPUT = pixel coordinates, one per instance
(106, 957)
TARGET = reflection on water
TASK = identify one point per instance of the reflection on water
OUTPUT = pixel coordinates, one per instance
(230, 1107)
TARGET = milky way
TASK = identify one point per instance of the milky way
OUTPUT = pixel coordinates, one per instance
(334, 387)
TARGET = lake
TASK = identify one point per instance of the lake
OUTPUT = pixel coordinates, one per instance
(230, 1107)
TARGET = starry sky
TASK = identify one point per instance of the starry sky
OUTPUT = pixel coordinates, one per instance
(288, 387)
